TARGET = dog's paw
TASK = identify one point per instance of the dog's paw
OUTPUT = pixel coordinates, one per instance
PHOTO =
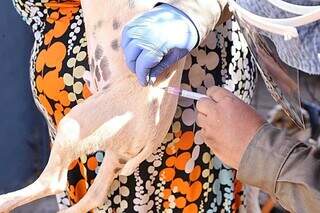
(6, 204)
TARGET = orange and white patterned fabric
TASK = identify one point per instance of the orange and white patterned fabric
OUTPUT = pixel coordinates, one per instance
(183, 175)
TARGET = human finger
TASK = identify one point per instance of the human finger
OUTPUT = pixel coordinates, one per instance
(145, 61)
(132, 52)
(205, 106)
(218, 93)
(172, 57)
(201, 119)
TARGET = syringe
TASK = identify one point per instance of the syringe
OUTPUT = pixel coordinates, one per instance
(185, 93)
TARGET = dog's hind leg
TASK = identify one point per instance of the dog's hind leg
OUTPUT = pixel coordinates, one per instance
(51, 181)
(98, 191)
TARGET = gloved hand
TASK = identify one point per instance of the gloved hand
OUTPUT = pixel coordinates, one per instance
(157, 39)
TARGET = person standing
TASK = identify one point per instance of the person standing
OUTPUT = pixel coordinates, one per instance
(183, 174)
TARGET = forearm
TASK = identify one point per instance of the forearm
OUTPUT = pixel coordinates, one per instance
(285, 168)
(205, 14)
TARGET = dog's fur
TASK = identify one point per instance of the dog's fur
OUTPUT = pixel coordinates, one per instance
(123, 119)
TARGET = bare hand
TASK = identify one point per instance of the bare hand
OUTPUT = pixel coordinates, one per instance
(228, 125)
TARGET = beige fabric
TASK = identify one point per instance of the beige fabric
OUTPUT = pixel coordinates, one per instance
(284, 167)
(205, 14)
(252, 198)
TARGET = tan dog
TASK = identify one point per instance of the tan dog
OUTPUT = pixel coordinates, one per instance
(123, 119)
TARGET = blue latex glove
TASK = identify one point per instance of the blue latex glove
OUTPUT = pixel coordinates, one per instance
(157, 39)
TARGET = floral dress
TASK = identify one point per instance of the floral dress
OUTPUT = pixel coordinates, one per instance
(182, 175)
